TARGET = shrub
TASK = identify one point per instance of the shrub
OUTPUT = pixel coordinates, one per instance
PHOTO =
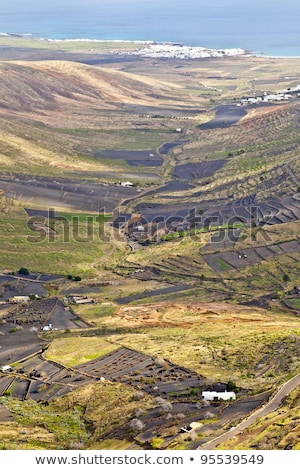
(139, 412)
(139, 395)
(285, 277)
(23, 271)
(156, 442)
(166, 405)
(136, 424)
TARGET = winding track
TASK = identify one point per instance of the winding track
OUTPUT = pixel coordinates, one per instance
(266, 409)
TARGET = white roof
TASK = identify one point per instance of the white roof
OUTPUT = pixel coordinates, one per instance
(20, 297)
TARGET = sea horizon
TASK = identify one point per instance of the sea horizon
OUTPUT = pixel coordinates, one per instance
(260, 27)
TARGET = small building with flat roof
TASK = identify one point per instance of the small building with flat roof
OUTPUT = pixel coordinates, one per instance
(19, 299)
(213, 396)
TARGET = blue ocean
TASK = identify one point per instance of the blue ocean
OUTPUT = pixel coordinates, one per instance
(269, 27)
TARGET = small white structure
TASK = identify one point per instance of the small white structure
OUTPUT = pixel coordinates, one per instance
(83, 300)
(211, 396)
(47, 327)
(127, 184)
(194, 426)
(6, 368)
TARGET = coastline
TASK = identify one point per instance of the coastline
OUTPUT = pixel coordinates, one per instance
(151, 48)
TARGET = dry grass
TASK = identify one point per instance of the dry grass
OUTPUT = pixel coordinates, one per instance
(65, 255)
(72, 352)
(57, 85)
(106, 405)
(26, 156)
(16, 436)
(73, 46)
(212, 338)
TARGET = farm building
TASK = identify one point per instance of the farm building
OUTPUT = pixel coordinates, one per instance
(83, 300)
(19, 299)
(211, 396)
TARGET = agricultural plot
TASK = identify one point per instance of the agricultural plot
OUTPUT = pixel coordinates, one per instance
(217, 212)
(36, 314)
(11, 286)
(45, 214)
(174, 186)
(80, 290)
(5, 415)
(165, 148)
(137, 158)
(144, 372)
(36, 366)
(186, 276)
(226, 116)
(63, 318)
(19, 327)
(19, 388)
(17, 344)
(243, 258)
(85, 196)
(270, 212)
(5, 383)
(194, 171)
(222, 239)
(37, 379)
(154, 293)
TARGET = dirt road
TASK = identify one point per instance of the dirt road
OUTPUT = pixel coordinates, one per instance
(269, 407)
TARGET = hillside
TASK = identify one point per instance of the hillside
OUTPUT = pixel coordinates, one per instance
(54, 85)
(154, 205)
(56, 117)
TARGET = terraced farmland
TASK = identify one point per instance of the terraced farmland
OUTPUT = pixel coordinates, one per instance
(243, 258)
(41, 380)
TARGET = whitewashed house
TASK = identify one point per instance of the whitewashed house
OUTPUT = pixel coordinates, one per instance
(211, 396)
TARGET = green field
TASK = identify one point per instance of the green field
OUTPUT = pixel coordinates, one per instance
(74, 248)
